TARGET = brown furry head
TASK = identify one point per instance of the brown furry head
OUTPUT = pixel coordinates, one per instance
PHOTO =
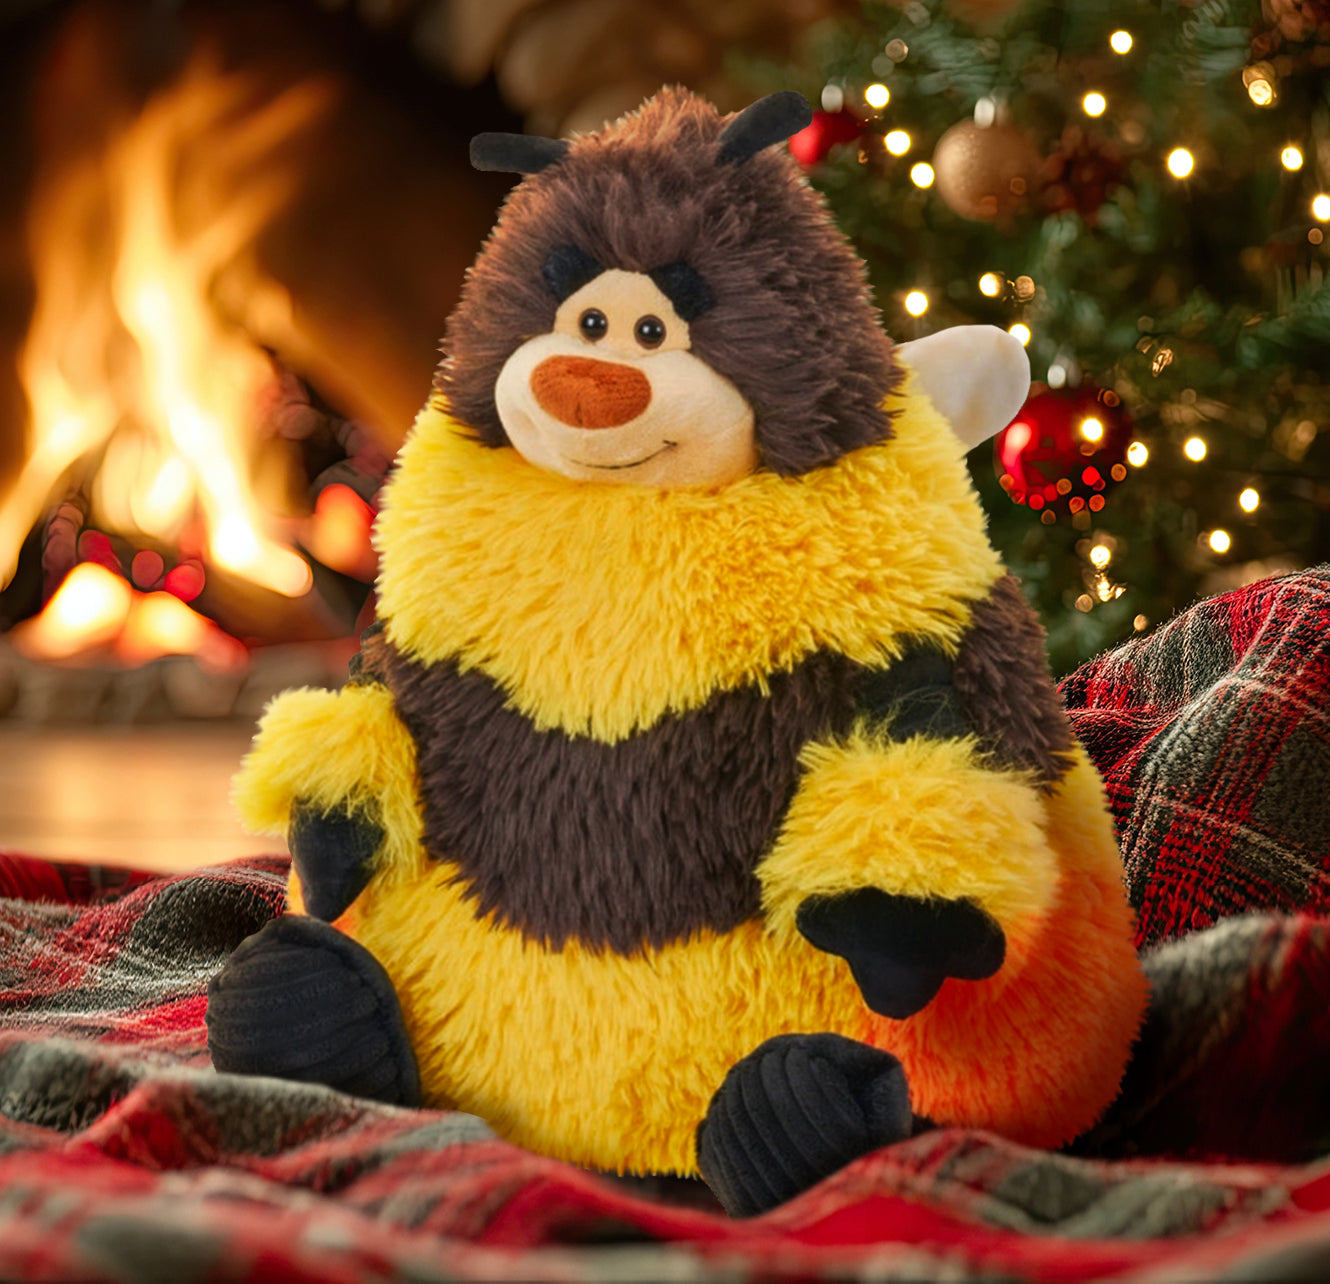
(787, 317)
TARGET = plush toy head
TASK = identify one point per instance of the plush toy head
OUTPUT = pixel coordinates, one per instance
(666, 302)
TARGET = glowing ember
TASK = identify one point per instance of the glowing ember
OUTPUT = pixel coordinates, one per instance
(184, 581)
(147, 569)
(126, 356)
(339, 532)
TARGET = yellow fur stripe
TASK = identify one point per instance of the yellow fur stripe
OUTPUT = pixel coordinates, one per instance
(919, 817)
(334, 749)
(602, 1060)
(599, 607)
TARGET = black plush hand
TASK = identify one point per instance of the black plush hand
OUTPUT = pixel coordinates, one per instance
(900, 948)
(333, 852)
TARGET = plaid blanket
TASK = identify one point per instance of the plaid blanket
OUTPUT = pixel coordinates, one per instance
(123, 1156)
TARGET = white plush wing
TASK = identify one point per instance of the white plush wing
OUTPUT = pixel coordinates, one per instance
(977, 376)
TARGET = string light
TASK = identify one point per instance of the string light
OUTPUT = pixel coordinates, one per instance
(1180, 162)
(1195, 448)
(1101, 555)
(1092, 429)
(1321, 207)
(1137, 453)
(1291, 157)
(1220, 541)
(1261, 91)
(877, 96)
(1250, 500)
(990, 284)
(921, 175)
(916, 303)
(1120, 42)
(1094, 104)
(898, 142)
(1104, 588)
(1020, 332)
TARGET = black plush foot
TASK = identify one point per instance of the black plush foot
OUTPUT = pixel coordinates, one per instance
(795, 1110)
(299, 1000)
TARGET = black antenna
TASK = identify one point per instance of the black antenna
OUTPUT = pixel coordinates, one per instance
(516, 153)
(769, 120)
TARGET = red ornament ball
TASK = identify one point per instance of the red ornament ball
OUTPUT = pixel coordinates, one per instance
(1065, 450)
(811, 145)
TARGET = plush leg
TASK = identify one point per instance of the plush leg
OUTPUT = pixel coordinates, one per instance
(299, 1000)
(795, 1110)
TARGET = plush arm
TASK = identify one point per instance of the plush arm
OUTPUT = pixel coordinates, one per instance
(911, 858)
(334, 773)
(912, 849)
(923, 818)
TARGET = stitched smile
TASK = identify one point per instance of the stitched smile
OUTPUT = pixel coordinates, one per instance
(637, 463)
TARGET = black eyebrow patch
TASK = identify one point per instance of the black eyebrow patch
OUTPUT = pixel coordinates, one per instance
(568, 269)
(684, 288)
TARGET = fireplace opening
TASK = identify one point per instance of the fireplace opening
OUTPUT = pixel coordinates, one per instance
(229, 237)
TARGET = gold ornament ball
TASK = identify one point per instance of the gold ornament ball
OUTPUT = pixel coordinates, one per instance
(985, 172)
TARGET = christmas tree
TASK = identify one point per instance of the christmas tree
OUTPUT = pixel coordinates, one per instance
(1140, 190)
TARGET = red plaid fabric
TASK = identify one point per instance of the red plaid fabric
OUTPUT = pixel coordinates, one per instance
(120, 1167)
(1213, 738)
(124, 1157)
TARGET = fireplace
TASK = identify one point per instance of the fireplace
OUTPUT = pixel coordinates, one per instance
(229, 237)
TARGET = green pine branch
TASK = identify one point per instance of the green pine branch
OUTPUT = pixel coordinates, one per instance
(1203, 302)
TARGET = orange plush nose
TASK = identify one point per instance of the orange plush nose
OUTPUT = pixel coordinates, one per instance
(584, 392)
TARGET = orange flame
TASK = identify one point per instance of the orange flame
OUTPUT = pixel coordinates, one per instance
(86, 612)
(160, 624)
(126, 354)
(338, 534)
(95, 611)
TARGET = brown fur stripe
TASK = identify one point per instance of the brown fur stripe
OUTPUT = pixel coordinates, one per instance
(1005, 688)
(621, 846)
(651, 839)
(793, 326)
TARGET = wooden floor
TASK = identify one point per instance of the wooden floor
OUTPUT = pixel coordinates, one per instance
(149, 797)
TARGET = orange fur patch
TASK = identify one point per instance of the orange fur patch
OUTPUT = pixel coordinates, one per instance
(1037, 1051)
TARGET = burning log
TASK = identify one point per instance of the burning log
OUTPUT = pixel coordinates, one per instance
(60, 543)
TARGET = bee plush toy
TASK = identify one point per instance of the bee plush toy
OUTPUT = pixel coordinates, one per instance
(701, 801)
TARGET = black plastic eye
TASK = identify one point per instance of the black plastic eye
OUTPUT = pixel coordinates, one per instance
(593, 324)
(649, 331)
